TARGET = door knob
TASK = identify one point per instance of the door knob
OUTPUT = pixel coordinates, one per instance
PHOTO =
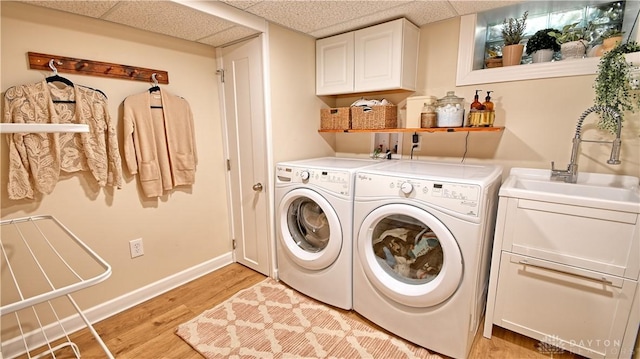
(257, 187)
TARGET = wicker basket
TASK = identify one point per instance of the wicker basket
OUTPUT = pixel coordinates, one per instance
(335, 118)
(376, 117)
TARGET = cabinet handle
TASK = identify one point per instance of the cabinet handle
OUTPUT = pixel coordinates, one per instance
(604, 280)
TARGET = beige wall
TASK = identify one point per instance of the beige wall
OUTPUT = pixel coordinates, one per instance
(539, 116)
(295, 110)
(182, 229)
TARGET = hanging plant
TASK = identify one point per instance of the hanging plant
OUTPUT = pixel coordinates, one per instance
(612, 85)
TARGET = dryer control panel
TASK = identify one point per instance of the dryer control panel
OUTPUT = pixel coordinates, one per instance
(331, 180)
(461, 198)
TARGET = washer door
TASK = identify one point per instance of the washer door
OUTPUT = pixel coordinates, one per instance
(409, 255)
(310, 231)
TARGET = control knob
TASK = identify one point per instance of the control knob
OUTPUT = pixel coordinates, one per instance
(406, 188)
(304, 175)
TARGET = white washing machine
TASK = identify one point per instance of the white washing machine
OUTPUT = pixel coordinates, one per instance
(422, 245)
(314, 214)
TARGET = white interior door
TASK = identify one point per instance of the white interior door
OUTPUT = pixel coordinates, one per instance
(246, 136)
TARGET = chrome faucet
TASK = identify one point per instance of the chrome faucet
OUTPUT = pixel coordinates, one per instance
(570, 175)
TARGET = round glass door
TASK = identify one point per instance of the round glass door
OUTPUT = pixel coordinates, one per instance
(409, 255)
(310, 232)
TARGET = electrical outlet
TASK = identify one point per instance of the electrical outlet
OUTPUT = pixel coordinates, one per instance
(136, 247)
(416, 142)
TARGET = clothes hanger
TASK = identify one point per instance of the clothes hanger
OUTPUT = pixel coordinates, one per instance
(57, 78)
(155, 86)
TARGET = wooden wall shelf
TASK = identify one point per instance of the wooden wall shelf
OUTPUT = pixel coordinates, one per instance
(431, 130)
(72, 65)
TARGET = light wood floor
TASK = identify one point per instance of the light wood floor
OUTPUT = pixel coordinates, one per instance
(147, 330)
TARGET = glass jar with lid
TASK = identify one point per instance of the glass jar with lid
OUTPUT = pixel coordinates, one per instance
(450, 110)
(428, 117)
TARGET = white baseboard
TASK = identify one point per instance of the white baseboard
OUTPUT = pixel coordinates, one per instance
(15, 346)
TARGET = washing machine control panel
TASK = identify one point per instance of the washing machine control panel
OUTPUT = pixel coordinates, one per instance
(331, 180)
(461, 198)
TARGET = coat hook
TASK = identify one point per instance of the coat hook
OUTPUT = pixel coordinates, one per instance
(154, 78)
(53, 67)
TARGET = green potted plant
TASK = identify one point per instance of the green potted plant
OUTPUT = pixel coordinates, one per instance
(572, 41)
(541, 45)
(613, 87)
(512, 32)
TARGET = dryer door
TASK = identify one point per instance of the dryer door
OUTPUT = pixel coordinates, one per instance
(310, 231)
(409, 255)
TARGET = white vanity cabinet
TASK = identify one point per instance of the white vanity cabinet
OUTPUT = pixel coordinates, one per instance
(376, 58)
(567, 276)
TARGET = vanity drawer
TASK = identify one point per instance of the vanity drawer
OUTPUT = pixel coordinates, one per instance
(577, 310)
(594, 239)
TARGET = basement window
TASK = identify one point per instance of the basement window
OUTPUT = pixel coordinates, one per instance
(594, 20)
(483, 31)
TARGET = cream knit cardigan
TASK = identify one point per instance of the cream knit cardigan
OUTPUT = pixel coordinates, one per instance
(159, 143)
(36, 159)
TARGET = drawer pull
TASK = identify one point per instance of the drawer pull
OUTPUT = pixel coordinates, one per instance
(604, 280)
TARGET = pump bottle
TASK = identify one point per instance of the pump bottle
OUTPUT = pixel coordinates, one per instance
(489, 114)
(488, 105)
(476, 105)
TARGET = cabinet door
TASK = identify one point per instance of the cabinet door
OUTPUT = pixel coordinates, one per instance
(334, 65)
(386, 56)
(581, 311)
(591, 238)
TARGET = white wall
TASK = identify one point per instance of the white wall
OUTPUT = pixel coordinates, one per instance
(181, 229)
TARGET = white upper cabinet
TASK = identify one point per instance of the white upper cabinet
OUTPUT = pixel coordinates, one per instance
(376, 58)
(334, 64)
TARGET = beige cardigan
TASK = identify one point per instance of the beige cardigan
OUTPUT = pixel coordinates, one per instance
(36, 159)
(159, 144)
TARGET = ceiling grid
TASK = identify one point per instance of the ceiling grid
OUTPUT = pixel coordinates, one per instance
(316, 18)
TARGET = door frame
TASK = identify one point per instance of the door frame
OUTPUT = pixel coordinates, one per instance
(268, 150)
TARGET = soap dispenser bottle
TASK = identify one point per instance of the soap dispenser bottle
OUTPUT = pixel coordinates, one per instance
(476, 105)
(488, 105)
(489, 114)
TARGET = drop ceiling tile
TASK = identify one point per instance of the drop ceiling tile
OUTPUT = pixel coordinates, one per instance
(418, 12)
(240, 4)
(87, 8)
(308, 16)
(470, 7)
(228, 36)
(167, 18)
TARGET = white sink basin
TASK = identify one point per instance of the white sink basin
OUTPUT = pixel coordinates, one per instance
(615, 192)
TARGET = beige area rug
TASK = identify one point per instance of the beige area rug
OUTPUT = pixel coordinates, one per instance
(269, 320)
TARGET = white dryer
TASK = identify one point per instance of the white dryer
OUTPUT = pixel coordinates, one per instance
(314, 214)
(422, 244)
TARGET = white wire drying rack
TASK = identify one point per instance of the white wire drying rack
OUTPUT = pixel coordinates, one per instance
(42, 261)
